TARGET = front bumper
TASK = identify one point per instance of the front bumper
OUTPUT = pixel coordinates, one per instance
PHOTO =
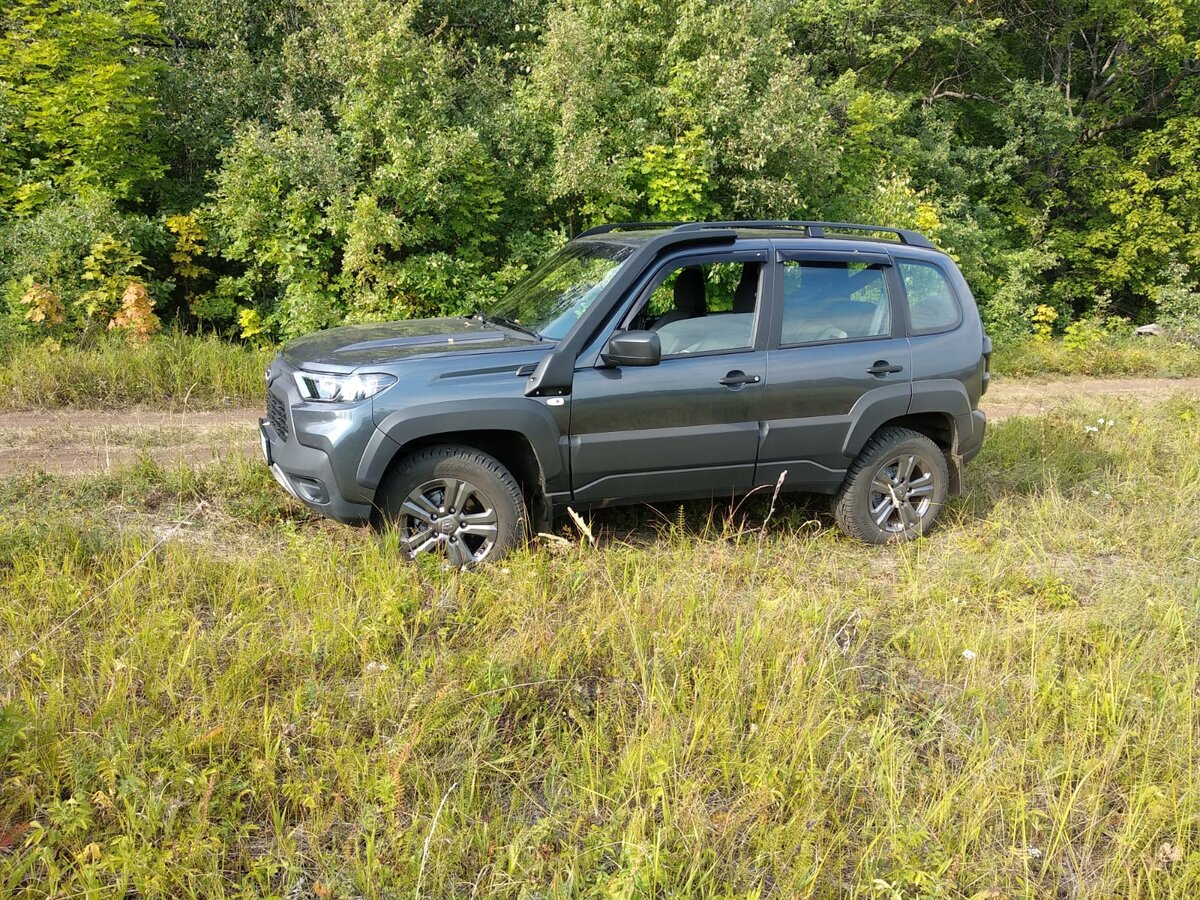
(314, 450)
(308, 475)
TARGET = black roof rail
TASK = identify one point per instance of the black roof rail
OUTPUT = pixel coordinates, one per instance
(814, 229)
(810, 229)
(625, 226)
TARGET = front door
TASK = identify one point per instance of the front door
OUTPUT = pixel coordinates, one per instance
(689, 426)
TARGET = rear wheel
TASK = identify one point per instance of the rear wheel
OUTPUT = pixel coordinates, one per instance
(895, 488)
(453, 501)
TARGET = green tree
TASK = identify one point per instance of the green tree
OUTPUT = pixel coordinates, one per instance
(78, 99)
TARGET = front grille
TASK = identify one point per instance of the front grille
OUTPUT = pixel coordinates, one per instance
(277, 413)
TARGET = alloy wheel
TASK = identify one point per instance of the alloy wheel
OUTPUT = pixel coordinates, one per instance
(901, 493)
(448, 516)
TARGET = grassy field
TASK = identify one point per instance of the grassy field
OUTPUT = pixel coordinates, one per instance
(207, 693)
(1113, 357)
(176, 371)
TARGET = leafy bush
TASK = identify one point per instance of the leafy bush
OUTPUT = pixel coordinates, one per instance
(80, 81)
(1178, 301)
(281, 206)
(86, 253)
(1042, 319)
(320, 162)
(1083, 334)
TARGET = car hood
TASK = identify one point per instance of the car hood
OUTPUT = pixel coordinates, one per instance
(352, 346)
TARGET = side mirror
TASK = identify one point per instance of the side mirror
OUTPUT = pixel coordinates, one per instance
(633, 348)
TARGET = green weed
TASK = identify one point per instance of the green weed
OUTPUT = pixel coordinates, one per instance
(1112, 356)
(176, 371)
(269, 706)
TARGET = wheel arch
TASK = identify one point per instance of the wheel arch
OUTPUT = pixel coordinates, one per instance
(936, 408)
(941, 428)
(511, 447)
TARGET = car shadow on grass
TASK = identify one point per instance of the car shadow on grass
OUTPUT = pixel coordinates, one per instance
(1028, 456)
(1023, 457)
(719, 518)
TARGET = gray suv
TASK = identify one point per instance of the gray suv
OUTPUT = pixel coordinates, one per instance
(648, 362)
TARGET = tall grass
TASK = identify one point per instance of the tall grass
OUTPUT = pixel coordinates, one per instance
(1113, 357)
(174, 370)
(179, 371)
(271, 705)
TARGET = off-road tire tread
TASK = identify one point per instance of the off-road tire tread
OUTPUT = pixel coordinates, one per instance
(846, 507)
(423, 465)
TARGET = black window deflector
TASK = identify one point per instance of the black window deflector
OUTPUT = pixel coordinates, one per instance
(824, 256)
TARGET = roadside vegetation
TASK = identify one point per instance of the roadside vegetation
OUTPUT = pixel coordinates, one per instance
(1110, 356)
(175, 371)
(249, 167)
(206, 692)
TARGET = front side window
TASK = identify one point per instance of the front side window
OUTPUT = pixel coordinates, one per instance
(552, 298)
(704, 307)
(931, 303)
(834, 301)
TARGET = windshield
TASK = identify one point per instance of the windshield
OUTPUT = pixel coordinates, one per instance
(554, 296)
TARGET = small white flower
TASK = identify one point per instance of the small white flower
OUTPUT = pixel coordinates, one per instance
(1034, 852)
(1090, 428)
(1095, 493)
(375, 668)
(753, 728)
(968, 655)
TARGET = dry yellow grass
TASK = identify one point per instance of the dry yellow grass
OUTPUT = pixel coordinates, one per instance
(274, 706)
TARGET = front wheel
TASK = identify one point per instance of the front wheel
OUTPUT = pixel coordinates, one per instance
(453, 501)
(895, 488)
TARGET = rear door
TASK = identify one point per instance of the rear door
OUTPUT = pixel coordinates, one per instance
(688, 427)
(838, 347)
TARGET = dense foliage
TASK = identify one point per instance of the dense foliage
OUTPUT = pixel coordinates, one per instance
(266, 168)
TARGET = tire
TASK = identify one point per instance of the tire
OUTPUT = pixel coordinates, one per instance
(454, 501)
(910, 505)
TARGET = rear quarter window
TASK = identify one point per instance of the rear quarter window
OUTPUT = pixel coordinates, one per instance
(932, 306)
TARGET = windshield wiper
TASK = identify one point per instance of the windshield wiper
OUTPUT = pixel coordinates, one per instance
(510, 323)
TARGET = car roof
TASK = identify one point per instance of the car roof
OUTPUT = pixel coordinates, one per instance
(835, 236)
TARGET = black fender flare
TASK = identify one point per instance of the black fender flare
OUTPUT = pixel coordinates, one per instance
(943, 396)
(948, 397)
(871, 410)
(527, 419)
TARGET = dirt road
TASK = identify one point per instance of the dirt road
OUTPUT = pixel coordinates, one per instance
(80, 441)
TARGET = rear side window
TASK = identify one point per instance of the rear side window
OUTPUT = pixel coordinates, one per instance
(833, 301)
(931, 304)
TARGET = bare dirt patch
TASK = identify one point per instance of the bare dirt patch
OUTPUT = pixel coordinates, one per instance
(1032, 397)
(71, 441)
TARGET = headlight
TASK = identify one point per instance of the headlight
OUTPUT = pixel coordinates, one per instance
(342, 388)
